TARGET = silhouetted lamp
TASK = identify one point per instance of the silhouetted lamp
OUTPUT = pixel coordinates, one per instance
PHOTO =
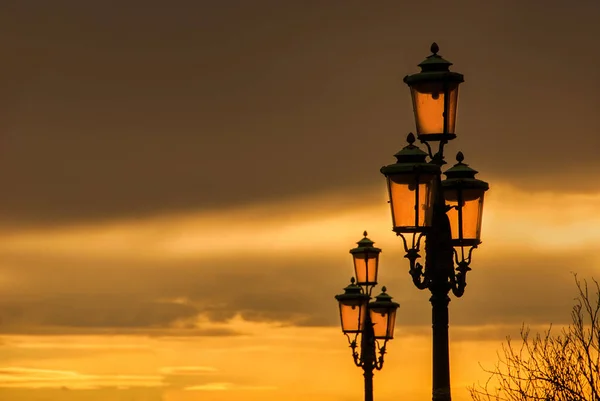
(446, 212)
(410, 181)
(382, 312)
(366, 262)
(365, 322)
(464, 194)
(434, 93)
(353, 308)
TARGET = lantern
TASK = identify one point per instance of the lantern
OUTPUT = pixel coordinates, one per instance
(366, 261)
(382, 312)
(410, 181)
(434, 93)
(353, 308)
(464, 194)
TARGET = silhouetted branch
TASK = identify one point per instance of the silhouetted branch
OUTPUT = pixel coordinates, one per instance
(548, 366)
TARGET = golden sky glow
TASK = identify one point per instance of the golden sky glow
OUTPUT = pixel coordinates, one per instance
(538, 220)
(270, 361)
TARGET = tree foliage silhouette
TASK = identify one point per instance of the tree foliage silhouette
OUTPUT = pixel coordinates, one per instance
(560, 367)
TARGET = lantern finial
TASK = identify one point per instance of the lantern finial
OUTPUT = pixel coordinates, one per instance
(460, 157)
(352, 280)
(383, 289)
(365, 233)
(435, 48)
(410, 138)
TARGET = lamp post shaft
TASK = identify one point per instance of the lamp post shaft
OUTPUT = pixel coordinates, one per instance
(441, 352)
(439, 267)
(367, 356)
(457, 199)
(368, 384)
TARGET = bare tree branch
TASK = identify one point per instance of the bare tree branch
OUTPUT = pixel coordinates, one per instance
(549, 366)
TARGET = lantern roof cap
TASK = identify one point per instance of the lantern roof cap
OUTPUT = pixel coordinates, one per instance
(460, 169)
(384, 300)
(462, 175)
(352, 292)
(365, 245)
(435, 62)
(410, 153)
(410, 159)
(434, 68)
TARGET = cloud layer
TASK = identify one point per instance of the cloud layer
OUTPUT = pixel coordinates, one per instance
(198, 274)
(275, 100)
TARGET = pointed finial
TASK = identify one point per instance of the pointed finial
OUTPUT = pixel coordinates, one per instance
(365, 233)
(435, 48)
(383, 289)
(352, 280)
(460, 157)
(410, 138)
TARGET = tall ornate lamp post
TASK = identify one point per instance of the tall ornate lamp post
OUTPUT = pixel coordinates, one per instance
(446, 212)
(372, 321)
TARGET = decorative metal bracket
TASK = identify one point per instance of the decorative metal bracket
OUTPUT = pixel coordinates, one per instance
(355, 355)
(368, 359)
(416, 270)
(382, 351)
(459, 281)
(439, 271)
(438, 157)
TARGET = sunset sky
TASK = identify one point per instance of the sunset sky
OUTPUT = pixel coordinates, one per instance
(182, 181)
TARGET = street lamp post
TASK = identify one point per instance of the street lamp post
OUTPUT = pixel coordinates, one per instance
(374, 320)
(446, 212)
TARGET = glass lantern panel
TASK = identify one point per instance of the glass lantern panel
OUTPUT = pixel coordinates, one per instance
(410, 202)
(352, 317)
(391, 324)
(472, 210)
(379, 318)
(428, 103)
(365, 267)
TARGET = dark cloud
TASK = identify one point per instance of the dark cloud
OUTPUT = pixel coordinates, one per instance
(532, 288)
(138, 108)
(95, 311)
(171, 295)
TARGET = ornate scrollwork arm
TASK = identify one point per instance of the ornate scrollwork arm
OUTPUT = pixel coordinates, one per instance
(382, 352)
(355, 355)
(416, 269)
(415, 242)
(438, 157)
(464, 259)
(459, 281)
(353, 346)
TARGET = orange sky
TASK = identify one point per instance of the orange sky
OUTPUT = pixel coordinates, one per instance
(181, 186)
(240, 357)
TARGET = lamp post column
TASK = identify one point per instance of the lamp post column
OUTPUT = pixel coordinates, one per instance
(441, 352)
(374, 320)
(416, 189)
(367, 356)
(439, 265)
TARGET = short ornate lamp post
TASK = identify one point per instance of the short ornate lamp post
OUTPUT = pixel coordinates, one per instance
(446, 212)
(373, 321)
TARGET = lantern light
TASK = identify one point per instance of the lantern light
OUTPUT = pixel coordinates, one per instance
(464, 194)
(434, 93)
(382, 312)
(366, 262)
(353, 308)
(410, 182)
